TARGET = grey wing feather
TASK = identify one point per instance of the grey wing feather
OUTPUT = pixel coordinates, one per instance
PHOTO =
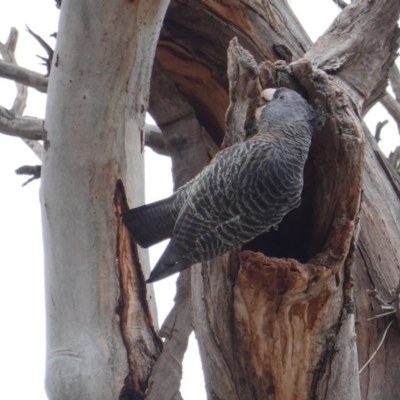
(242, 195)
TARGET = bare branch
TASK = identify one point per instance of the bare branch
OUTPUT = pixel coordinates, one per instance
(154, 139)
(183, 133)
(47, 47)
(11, 43)
(379, 346)
(8, 53)
(394, 78)
(23, 76)
(24, 127)
(10, 64)
(392, 107)
(167, 372)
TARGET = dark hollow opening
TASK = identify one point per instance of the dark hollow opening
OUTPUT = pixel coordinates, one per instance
(293, 238)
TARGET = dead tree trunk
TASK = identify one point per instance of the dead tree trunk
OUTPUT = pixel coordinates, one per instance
(285, 317)
(100, 339)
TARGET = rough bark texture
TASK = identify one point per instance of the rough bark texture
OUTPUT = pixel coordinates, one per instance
(276, 319)
(100, 339)
(279, 319)
(190, 148)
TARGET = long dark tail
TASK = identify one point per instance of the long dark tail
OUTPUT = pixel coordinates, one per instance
(151, 223)
(169, 263)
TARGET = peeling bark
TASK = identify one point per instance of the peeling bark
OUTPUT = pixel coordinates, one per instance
(97, 321)
(142, 345)
(190, 148)
(302, 344)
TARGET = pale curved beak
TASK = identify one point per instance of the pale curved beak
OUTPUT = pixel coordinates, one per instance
(265, 96)
(268, 94)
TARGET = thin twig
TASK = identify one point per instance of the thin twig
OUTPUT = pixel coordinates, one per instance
(47, 47)
(376, 296)
(381, 315)
(23, 76)
(379, 346)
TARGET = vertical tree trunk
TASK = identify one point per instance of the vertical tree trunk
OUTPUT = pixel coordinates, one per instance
(100, 339)
(282, 324)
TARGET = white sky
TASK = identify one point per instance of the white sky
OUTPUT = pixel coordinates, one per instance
(22, 337)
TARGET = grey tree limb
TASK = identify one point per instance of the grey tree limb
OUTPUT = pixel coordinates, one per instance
(23, 76)
(154, 139)
(166, 377)
(30, 128)
(7, 51)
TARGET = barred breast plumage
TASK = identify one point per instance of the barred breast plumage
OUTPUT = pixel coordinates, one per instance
(246, 190)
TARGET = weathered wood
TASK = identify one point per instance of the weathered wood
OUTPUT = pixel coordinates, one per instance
(281, 308)
(309, 308)
(185, 137)
(100, 339)
(244, 93)
(190, 148)
(194, 39)
(30, 128)
(354, 47)
(276, 320)
(376, 267)
(23, 76)
(166, 377)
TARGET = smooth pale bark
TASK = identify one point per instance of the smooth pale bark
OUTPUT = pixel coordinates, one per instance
(100, 339)
(276, 328)
(23, 76)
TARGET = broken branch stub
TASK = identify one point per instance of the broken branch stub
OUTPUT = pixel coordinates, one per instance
(244, 91)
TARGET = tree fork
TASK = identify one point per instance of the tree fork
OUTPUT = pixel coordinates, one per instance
(215, 285)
